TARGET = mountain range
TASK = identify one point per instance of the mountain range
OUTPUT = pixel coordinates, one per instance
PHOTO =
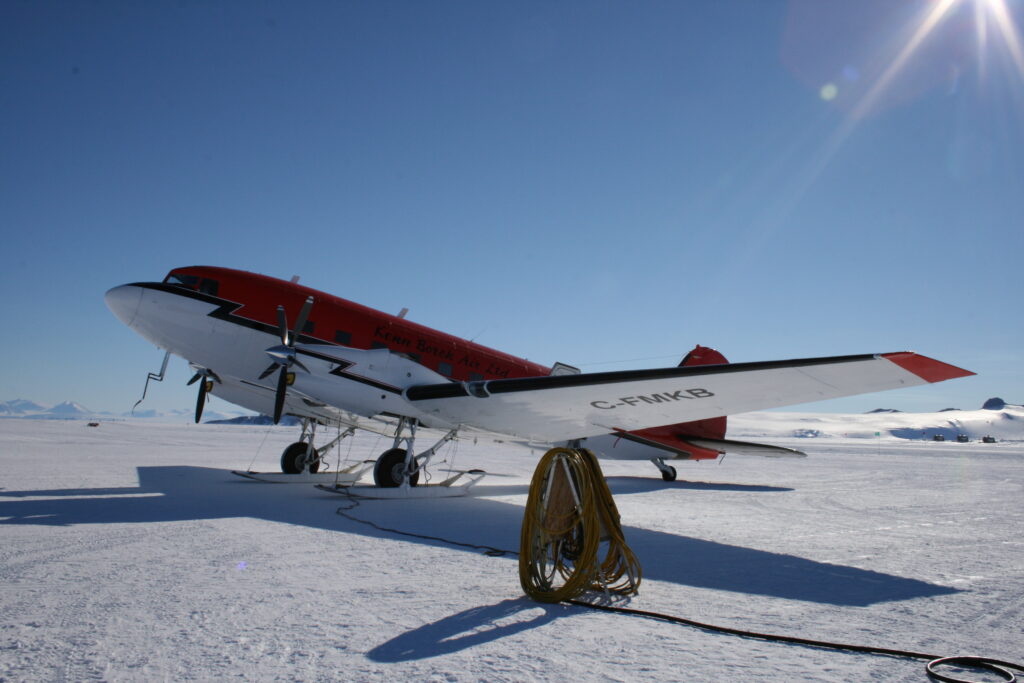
(70, 410)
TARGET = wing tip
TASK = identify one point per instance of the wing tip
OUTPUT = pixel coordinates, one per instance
(928, 369)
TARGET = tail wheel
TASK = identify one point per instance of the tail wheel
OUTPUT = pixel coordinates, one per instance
(387, 473)
(669, 474)
(294, 458)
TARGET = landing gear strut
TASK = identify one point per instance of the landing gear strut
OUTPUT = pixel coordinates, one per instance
(668, 473)
(295, 458)
(390, 469)
(398, 465)
(302, 456)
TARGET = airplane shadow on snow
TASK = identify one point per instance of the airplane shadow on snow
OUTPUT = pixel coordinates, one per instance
(181, 493)
(469, 628)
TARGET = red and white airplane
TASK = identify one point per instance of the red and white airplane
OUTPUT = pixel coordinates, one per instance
(277, 347)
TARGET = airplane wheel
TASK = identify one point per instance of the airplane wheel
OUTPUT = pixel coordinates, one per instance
(670, 475)
(387, 473)
(295, 455)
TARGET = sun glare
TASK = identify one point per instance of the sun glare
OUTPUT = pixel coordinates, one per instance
(931, 20)
(866, 57)
(998, 12)
(863, 58)
(986, 12)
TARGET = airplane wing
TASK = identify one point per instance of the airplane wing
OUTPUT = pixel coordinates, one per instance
(560, 408)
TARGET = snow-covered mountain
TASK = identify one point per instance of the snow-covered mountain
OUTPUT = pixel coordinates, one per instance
(19, 406)
(71, 410)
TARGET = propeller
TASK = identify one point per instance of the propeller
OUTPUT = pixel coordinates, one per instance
(208, 377)
(283, 355)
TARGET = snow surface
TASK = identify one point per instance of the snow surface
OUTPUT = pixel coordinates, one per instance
(128, 552)
(1005, 424)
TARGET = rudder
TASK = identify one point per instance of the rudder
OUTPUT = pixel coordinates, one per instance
(711, 428)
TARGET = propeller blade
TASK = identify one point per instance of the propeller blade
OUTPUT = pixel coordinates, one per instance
(195, 378)
(282, 325)
(266, 373)
(201, 401)
(296, 361)
(300, 324)
(282, 387)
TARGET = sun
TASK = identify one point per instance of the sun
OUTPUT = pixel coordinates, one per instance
(866, 57)
(995, 12)
(987, 15)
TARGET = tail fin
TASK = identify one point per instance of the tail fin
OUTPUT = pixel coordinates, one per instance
(702, 355)
(712, 428)
(679, 437)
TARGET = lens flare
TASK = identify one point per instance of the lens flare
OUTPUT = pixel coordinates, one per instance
(991, 18)
(928, 24)
(1004, 22)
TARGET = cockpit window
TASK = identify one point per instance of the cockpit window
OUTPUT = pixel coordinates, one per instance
(182, 280)
(193, 282)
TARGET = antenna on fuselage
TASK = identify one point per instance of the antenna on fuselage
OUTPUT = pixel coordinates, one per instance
(401, 313)
(294, 280)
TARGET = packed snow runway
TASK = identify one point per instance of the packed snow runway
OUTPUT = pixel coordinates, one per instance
(130, 552)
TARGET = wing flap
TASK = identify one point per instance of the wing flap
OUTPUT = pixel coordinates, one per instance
(747, 448)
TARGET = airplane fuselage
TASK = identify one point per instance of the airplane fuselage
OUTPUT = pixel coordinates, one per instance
(249, 301)
(225, 320)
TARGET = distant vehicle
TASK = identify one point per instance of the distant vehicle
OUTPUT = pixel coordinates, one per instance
(988, 439)
(962, 438)
(938, 437)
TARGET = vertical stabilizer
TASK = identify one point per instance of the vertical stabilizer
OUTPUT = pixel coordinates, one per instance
(676, 436)
(712, 428)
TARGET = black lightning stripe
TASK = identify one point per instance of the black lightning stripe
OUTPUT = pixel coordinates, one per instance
(225, 310)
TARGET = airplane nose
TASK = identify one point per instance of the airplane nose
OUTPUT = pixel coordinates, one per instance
(124, 301)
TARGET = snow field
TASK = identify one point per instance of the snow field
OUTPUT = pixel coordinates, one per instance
(128, 552)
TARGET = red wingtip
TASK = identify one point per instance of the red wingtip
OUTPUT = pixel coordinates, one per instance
(926, 368)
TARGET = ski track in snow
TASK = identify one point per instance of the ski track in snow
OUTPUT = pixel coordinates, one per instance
(130, 553)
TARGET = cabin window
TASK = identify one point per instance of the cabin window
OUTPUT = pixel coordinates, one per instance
(378, 345)
(208, 286)
(445, 369)
(475, 377)
(343, 338)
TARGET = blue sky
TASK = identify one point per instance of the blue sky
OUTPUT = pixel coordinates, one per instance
(599, 183)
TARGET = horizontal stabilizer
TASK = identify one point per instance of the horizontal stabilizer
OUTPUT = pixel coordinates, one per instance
(746, 448)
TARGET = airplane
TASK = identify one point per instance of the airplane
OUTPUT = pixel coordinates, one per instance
(279, 348)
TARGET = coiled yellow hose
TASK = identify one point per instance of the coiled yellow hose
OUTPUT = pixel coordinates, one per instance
(570, 518)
